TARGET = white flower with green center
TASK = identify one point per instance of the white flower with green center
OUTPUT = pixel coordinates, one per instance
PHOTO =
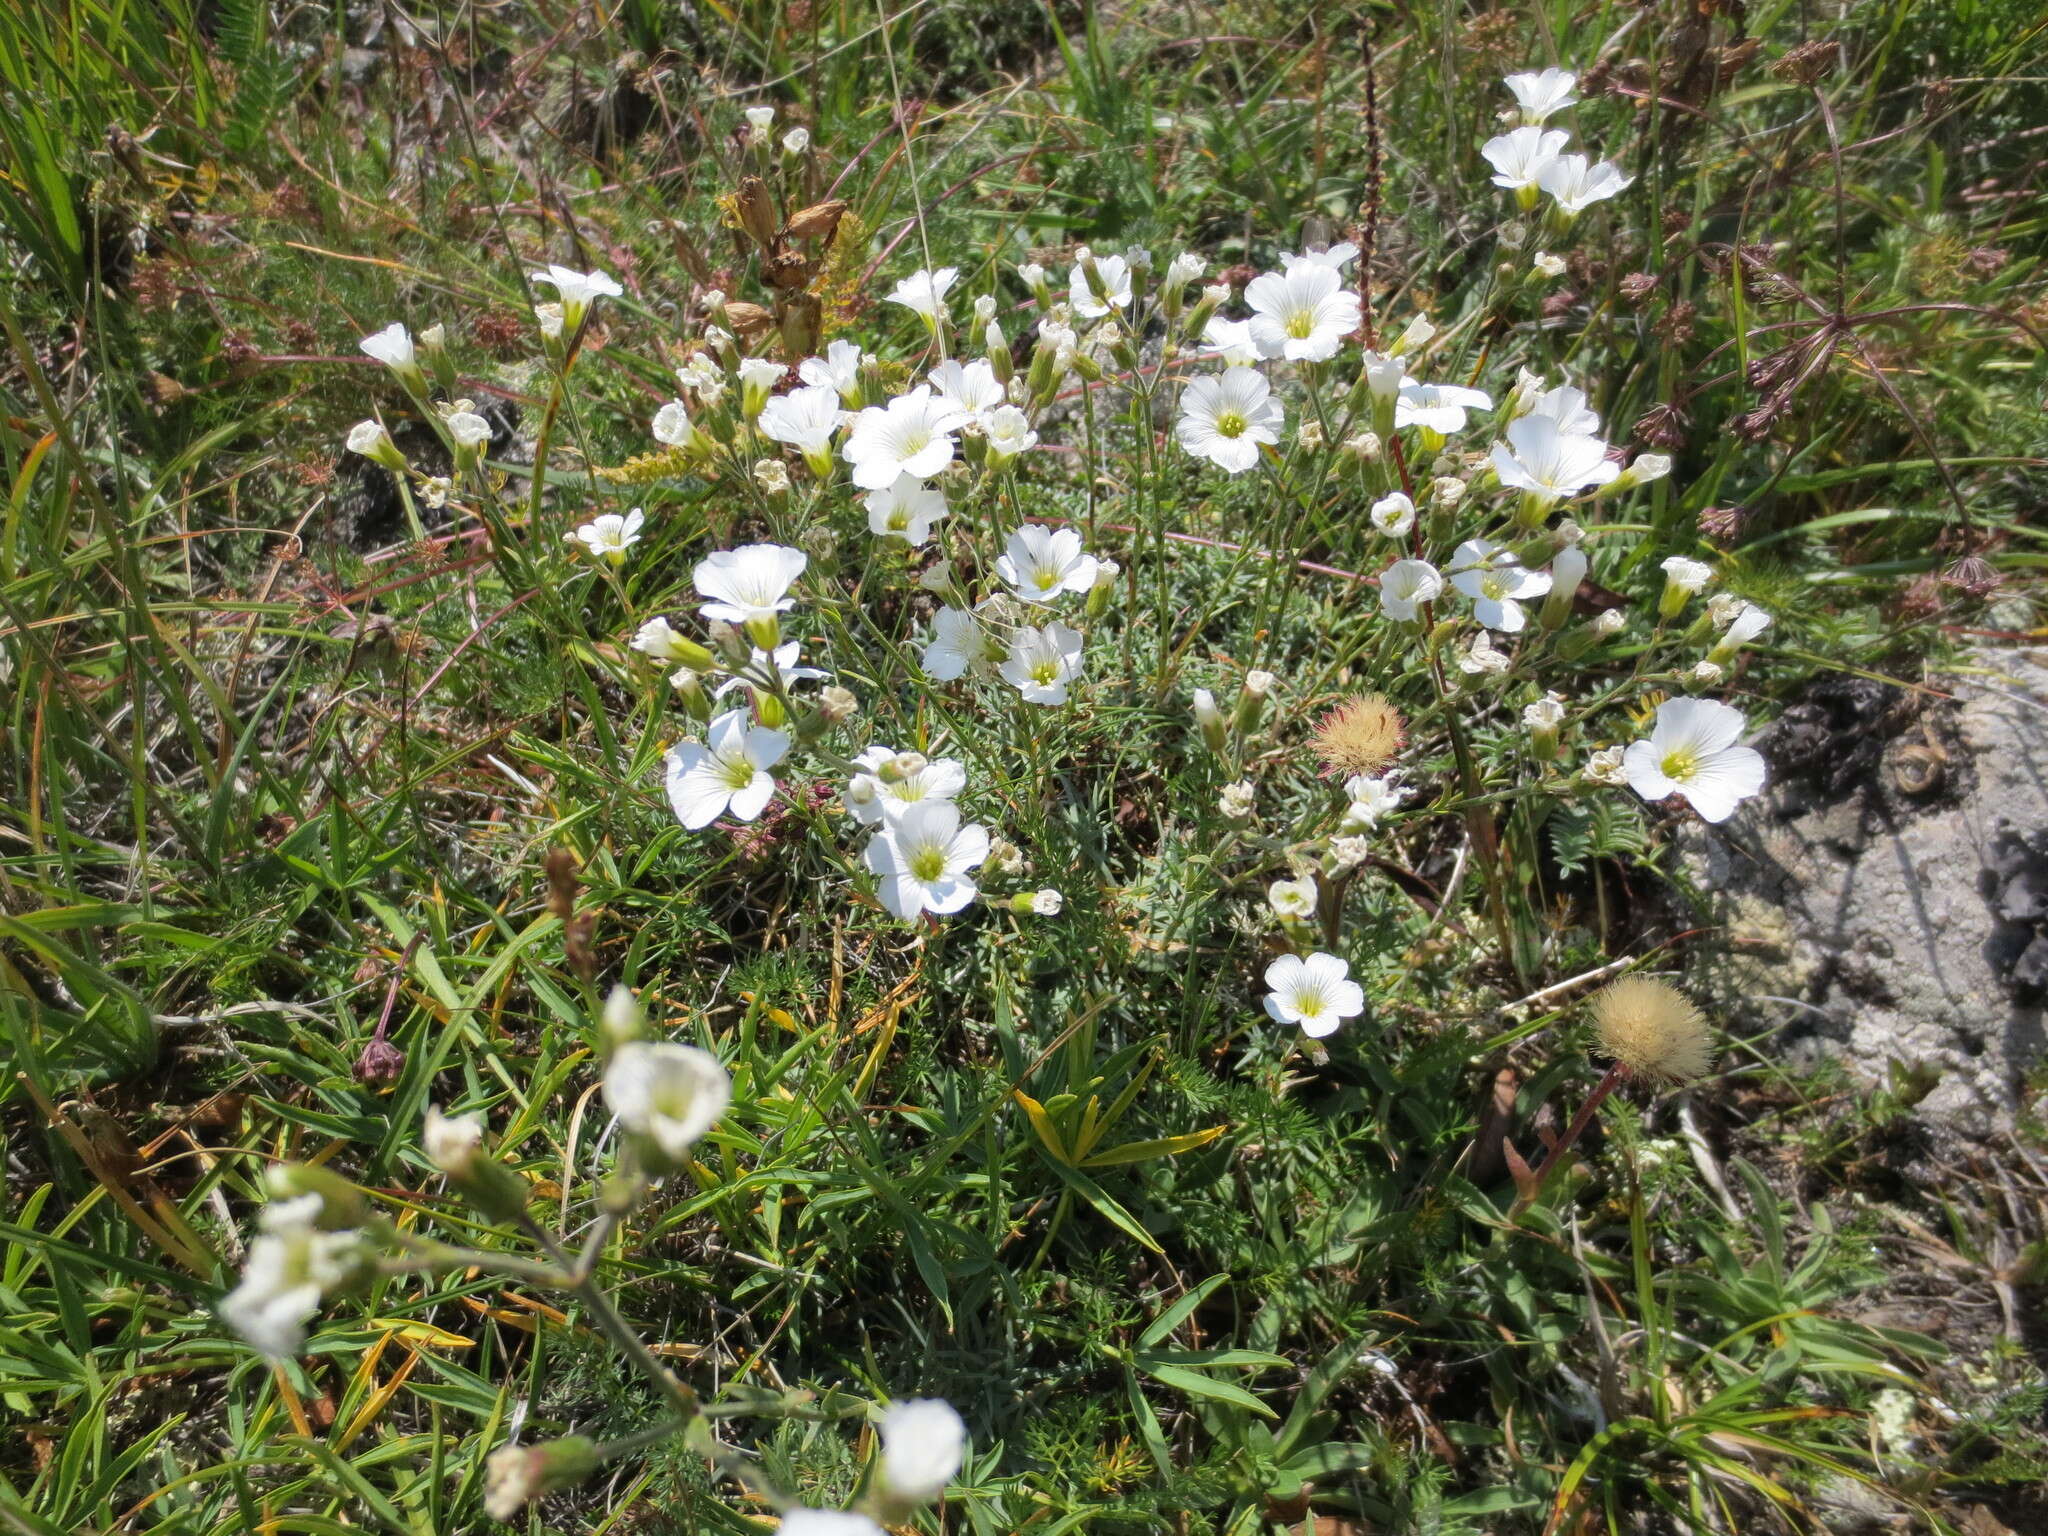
(607, 538)
(924, 292)
(1518, 157)
(1042, 662)
(578, 291)
(958, 642)
(749, 585)
(1316, 992)
(1041, 563)
(1225, 418)
(1438, 408)
(1115, 275)
(1405, 586)
(925, 858)
(1548, 463)
(1009, 434)
(1393, 515)
(725, 772)
(911, 435)
(1292, 901)
(1576, 184)
(1302, 314)
(1692, 752)
(667, 1094)
(972, 389)
(290, 1266)
(906, 510)
(806, 419)
(886, 789)
(839, 369)
(1487, 573)
(1541, 94)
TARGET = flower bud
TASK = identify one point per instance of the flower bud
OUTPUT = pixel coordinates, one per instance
(516, 1475)
(455, 1145)
(373, 442)
(1215, 729)
(623, 1019)
(341, 1204)
(1567, 570)
(1104, 591)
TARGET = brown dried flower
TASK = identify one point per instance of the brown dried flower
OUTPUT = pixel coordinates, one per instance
(1653, 1029)
(1361, 735)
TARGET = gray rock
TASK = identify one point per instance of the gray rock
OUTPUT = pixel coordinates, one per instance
(1900, 911)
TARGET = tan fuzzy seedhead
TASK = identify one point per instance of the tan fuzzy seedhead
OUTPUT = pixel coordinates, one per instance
(1360, 735)
(1653, 1029)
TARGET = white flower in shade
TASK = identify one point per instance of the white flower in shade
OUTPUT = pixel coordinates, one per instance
(748, 585)
(1009, 434)
(972, 389)
(1692, 752)
(1046, 902)
(1369, 797)
(1042, 662)
(609, 537)
(1230, 341)
(659, 639)
(1750, 622)
(1383, 375)
(1336, 257)
(393, 347)
(1606, 766)
(1541, 94)
(806, 419)
(1041, 563)
(796, 141)
(838, 368)
(1575, 183)
(1482, 659)
(1548, 462)
(451, 1142)
(911, 435)
(1236, 800)
(1544, 264)
(1225, 418)
(759, 121)
(923, 1444)
(906, 510)
(772, 475)
(766, 671)
(1302, 314)
(372, 441)
(1406, 585)
(578, 291)
(727, 772)
(702, 377)
(1566, 406)
(1545, 714)
(1317, 993)
(468, 430)
(958, 642)
(924, 292)
(672, 1094)
(290, 1265)
(1487, 573)
(892, 780)
(1292, 901)
(924, 856)
(1688, 576)
(826, 1522)
(1393, 515)
(1518, 157)
(1115, 273)
(1438, 408)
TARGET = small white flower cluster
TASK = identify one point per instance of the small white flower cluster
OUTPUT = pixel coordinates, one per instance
(1531, 161)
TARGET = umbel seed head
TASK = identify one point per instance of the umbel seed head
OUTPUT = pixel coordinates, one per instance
(1360, 735)
(1653, 1029)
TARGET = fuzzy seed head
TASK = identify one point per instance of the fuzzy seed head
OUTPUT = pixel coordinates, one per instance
(1653, 1029)
(1361, 735)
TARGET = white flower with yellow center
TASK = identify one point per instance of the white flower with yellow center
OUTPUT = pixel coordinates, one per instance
(1316, 992)
(893, 781)
(1292, 901)
(607, 538)
(911, 435)
(1549, 463)
(906, 510)
(1692, 751)
(749, 585)
(668, 1093)
(1518, 157)
(1541, 94)
(1225, 418)
(1487, 573)
(925, 858)
(806, 419)
(1302, 314)
(958, 642)
(725, 772)
(1041, 563)
(1042, 662)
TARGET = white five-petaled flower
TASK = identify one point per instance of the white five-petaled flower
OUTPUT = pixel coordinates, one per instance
(924, 292)
(725, 772)
(748, 585)
(1692, 751)
(1565, 405)
(609, 536)
(806, 419)
(923, 1443)
(892, 781)
(1406, 585)
(1317, 993)
(1576, 183)
(1229, 341)
(911, 435)
(1336, 257)
(1042, 662)
(393, 347)
(1115, 274)
(839, 367)
(1518, 157)
(1393, 515)
(970, 388)
(1225, 418)
(906, 510)
(669, 1093)
(1438, 408)
(1369, 797)
(1302, 314)
(290, 1265)
(1041, 563)
(1482, 658)
(1487, 573)
(1685, 574)
(578, 291)
(958, 642)
(1009, 434)
(1292, 901)
(924, 856)
(1548, 462)
(1542, 93)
